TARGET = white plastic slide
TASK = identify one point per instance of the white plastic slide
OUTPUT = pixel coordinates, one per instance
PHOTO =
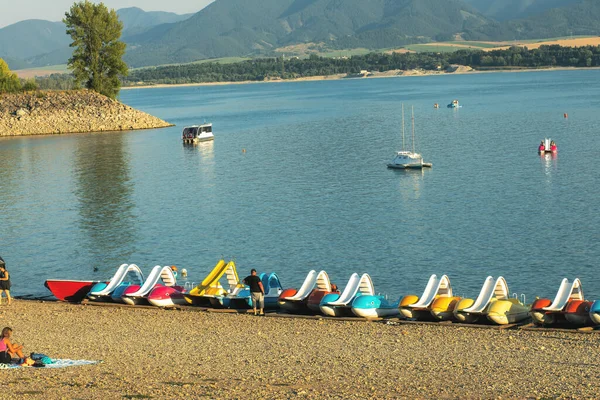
(132, 271)
(435, 287)
(567, 291)
(321, 280)
(158, 273)
(490, 289)
(356, 284)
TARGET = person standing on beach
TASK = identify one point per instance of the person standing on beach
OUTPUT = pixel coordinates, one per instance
(4, 282)
(257, 291)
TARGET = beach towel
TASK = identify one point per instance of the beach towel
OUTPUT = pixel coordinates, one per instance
(56, 364)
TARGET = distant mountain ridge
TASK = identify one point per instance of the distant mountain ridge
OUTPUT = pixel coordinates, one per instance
(237, 28)
(34, 43)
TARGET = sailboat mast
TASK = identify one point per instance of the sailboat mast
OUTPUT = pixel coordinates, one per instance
(402, 126)
(413, 128)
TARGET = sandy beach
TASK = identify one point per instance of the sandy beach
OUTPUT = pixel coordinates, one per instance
(167, 354)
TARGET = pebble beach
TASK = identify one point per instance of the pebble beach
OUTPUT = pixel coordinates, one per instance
(167, 354)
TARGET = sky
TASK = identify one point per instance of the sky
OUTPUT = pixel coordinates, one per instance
(54, 10)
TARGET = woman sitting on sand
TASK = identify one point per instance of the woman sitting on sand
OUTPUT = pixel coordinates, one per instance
(8, 350)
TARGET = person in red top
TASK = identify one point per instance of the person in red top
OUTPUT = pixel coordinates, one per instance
(553, 147)
(542, 147)
(8, 349)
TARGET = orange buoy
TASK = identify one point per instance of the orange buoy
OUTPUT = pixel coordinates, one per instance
(566, 115)
(243, 150)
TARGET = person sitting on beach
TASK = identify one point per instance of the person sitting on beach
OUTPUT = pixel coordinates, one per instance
(6, 346)
(257, 291)
(4, 282)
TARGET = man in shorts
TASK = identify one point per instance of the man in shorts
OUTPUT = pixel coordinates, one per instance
(257, 291)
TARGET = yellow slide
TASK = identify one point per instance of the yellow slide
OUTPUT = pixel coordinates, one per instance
(211, 286)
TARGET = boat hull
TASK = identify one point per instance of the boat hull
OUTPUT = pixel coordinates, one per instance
(69, 290)
(166, 297)
(577, 312)
(442, 308)
(409, 166)
(504, 312)
(405, 310)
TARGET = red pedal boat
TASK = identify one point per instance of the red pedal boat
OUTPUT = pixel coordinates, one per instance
(67, 290)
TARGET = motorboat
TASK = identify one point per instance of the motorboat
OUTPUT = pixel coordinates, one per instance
(475, 310)
(337, 305)
(405, 159)
(198, 133)
(437, 302)
(454, 104)
(295, 301)
(72, 291)
(378, 306)
(547, 146)
(552, 312)
(126, 275)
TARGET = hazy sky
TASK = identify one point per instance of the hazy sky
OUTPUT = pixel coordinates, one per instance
(54, 10)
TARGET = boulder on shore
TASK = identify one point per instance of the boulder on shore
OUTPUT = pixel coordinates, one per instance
(75, 111)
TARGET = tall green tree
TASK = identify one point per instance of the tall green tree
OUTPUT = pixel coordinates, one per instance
(9, 82)
(97, 60)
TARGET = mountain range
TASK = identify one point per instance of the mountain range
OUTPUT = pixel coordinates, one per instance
(228, 28)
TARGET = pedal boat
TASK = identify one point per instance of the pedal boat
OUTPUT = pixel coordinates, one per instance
(69, 290)
(126, 275)
(159, 276)
(509, 311)
(436, 304)
(340, 305)
(375, 307)
(295, 301)
(243, 298)
(475, 310)
(552, 312)
(203, 295)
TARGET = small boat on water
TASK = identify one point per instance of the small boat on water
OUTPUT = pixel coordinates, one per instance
(547, 146)
(198, 133)
(454, 104)
(69, 290)
(408, 159)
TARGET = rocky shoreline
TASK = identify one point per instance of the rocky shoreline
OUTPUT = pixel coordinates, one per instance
(50, 112)
(152, 353)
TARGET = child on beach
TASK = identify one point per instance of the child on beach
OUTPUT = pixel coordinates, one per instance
(8, 350)
(4, 282)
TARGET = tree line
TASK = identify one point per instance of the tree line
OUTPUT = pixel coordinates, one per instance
(279, 68)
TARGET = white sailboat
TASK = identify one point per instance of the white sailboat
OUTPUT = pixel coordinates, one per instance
(408, 159)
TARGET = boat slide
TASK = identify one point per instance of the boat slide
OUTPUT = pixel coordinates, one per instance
(356, 285)
(490, 290)
(164, 274)
(126, 273)
(212, 279)
(320, 280)
(566, 292)
(436, 287)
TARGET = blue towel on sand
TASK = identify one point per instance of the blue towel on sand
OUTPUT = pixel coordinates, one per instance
(57, 364)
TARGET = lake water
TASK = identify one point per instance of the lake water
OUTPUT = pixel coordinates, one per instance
(311, 190)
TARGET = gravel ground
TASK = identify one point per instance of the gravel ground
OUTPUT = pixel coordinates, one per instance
(162, 354)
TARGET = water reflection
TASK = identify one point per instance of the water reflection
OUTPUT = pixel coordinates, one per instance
(104, 190)
(410, 182)
(205, 149)
(549, 163)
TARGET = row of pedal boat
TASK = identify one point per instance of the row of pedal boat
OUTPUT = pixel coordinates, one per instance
(493, 305)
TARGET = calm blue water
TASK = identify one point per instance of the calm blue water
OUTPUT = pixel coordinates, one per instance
(312, 191)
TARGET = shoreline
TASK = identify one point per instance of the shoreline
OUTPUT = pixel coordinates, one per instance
(162, 354)
(403, 74)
